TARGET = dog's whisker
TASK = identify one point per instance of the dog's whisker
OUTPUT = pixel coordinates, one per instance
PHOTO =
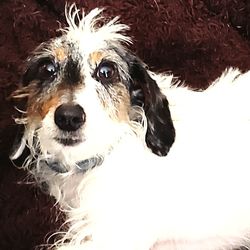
(20, 111)
(20, 121)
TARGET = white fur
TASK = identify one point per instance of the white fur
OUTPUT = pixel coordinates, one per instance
(194, 198)
(86, 33)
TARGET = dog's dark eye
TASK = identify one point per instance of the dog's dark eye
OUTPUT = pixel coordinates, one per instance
(46, 71)
(106, 72)
(42, 70)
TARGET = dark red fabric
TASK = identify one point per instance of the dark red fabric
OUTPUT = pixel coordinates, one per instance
(195, 39)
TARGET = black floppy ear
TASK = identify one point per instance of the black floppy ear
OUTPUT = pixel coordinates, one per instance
(145, 92)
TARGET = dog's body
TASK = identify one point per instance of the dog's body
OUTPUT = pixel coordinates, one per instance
(102, 164)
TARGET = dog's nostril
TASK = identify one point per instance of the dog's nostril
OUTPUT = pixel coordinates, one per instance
(69, 117)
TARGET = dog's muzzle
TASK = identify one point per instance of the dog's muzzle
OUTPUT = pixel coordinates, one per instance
(69, 117)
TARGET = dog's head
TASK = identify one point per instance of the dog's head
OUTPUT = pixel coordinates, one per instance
(83, 89)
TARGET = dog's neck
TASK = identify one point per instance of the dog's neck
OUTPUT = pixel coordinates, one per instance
(82, 166)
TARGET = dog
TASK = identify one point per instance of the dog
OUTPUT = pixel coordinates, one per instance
(135, 161)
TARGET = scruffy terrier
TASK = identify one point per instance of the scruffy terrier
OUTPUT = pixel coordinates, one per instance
(135, 162)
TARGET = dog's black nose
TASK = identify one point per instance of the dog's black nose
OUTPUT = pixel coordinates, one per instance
(69, 117)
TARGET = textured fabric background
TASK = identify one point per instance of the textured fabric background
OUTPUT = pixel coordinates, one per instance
(196, 39)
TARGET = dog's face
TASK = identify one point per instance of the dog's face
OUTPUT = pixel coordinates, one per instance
(83, 91)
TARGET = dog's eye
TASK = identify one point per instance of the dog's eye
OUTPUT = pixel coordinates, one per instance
(46, 70)
(42, 70)
(106, 72)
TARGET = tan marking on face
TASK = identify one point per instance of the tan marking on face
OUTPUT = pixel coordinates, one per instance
(121, 103)
(40, 108)
(96, 57)
(60, 54)
(116, 102)
(46, 106)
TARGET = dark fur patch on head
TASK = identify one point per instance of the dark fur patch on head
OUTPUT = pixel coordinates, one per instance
(72, 74)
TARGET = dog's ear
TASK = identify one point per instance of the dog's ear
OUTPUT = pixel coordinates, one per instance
(145, 92)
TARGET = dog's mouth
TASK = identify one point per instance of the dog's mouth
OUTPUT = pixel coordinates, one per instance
(68, 138)
(68, 141)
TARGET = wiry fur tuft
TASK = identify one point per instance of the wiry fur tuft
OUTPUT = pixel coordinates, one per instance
(90, 27)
